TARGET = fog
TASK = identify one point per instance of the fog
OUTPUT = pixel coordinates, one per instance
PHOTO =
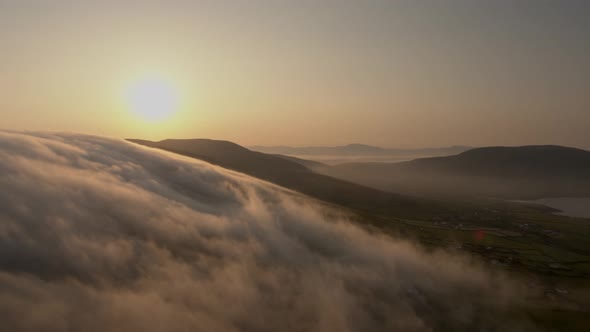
(335, 159)
(98, 234)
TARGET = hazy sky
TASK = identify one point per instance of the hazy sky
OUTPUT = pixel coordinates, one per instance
(391, 73)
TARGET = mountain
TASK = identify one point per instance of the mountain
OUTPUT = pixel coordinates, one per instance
(228, 155)
(357, 150)
(507, 172)
(290, 173)
(311, 164)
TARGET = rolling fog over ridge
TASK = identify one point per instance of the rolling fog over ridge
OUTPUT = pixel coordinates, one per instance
(121, 230)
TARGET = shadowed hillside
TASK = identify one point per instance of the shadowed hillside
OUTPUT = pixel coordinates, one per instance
(290, 173)
(311, 164)
(508, 172)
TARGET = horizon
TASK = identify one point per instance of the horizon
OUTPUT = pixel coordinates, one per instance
(355, 143)
(416, 147)
(410, 148)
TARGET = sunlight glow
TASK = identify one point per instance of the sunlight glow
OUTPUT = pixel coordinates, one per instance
(153, 99)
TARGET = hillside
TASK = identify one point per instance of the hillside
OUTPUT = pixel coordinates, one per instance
(356, 150)
(290, 173)
(507, 172)
(311, 164)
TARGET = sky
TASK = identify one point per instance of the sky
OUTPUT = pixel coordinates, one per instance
(390, 73)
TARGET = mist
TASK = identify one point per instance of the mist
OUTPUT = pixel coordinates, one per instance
(100, 234)
(526, 172)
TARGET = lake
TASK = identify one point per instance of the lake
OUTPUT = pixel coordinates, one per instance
(569, 206)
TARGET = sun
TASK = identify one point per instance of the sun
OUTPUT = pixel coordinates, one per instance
(152, 98)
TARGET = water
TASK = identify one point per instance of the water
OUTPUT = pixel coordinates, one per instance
(569, 206)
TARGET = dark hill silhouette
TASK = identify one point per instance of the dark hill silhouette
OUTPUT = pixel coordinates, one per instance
(548, 160)
(290, 173)
(228, 155)
(508, 172)
(311, 164)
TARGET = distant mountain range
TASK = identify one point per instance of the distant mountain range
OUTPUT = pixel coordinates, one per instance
(357, 150)
(500, 172)
(292, 173)
(505, 172)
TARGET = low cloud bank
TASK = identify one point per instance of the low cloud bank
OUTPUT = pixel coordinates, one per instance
(99, 234)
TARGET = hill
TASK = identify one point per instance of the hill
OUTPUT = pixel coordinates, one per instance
(357, 150)
(506, 172)
(311, 164)
(291, 173)
(527, 240)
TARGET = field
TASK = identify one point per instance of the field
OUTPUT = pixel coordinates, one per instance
(549, 254)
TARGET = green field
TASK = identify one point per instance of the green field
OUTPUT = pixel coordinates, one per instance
(549, 253)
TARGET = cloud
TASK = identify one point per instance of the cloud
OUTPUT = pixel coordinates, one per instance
(98, 234)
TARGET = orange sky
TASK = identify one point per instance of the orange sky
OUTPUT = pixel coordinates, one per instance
(400, 74)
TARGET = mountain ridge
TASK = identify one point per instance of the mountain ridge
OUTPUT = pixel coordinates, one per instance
(356, 149)
(534, 170)
(289, 173)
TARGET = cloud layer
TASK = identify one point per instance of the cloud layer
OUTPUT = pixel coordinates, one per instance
(99, 234)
